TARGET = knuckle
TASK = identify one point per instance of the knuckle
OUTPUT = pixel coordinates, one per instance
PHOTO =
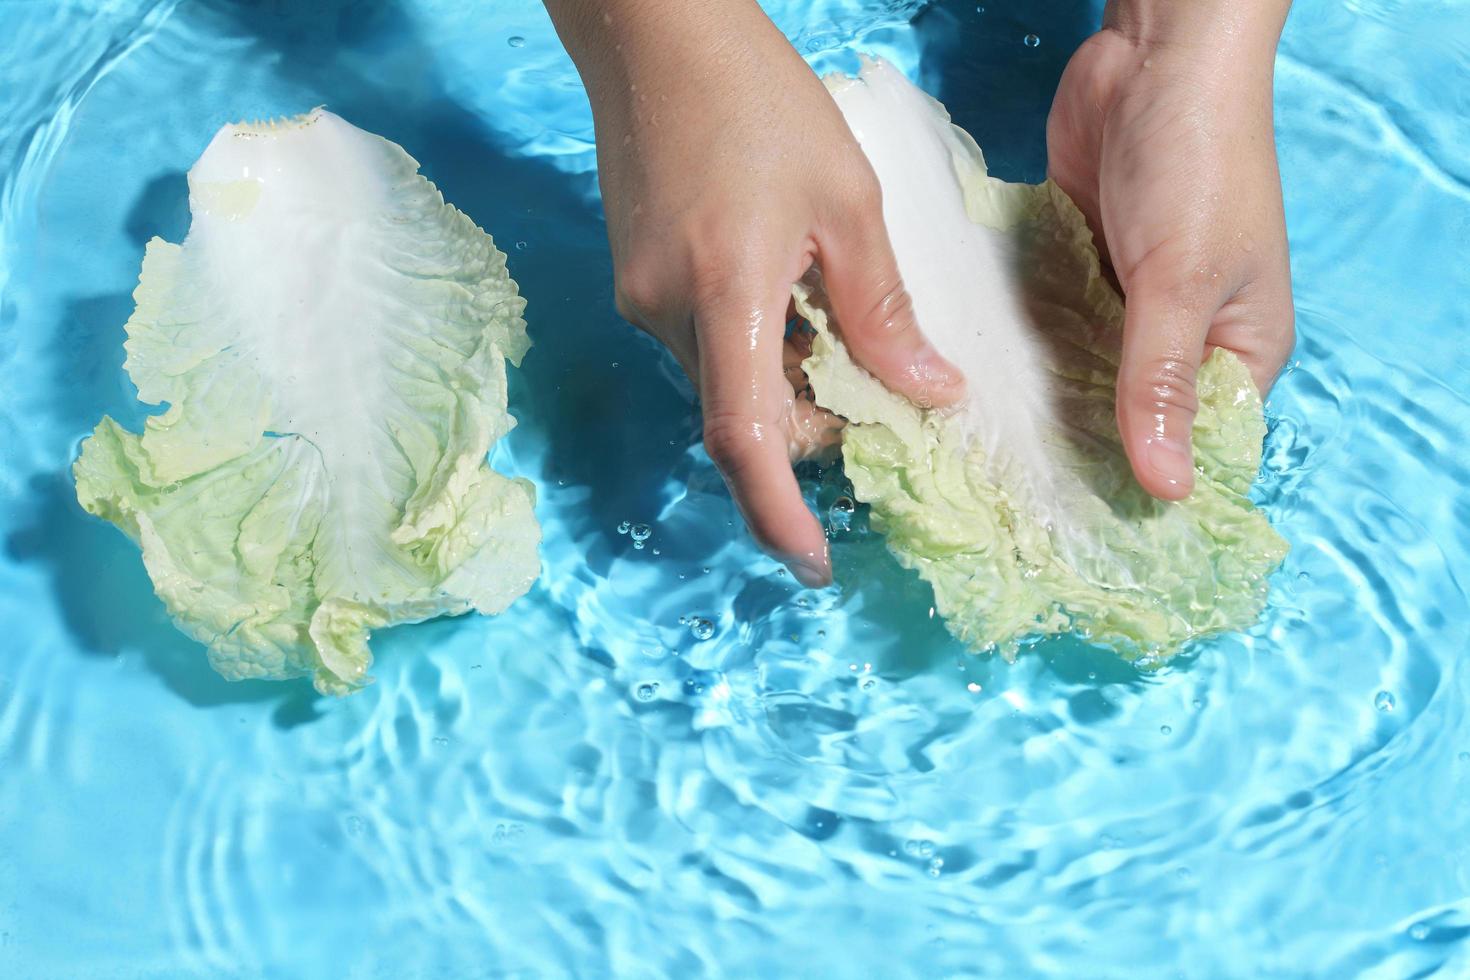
(1167, 382)
(886, 314)
(640, 294)
(727, 439)
(1181, 277)
(864, 193)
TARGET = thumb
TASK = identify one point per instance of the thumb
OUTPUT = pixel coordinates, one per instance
(1163, 343)
(876, 314)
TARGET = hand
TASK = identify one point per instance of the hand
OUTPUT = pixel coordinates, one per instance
(1161, 132)
(726, 172)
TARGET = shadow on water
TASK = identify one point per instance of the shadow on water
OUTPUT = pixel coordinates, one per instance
(108, 605)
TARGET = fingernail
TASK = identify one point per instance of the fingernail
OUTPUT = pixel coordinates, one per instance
(939, 370)
(1171, 460)
(810, 574)
(938, 382)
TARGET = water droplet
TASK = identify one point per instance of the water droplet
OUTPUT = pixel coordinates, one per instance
(1384, 701)
(646, 690)
(1031, 40)
(640, 532)
(1165, 730)
(517, 41)
(702, 628)
(624, 527)
(520, 246)
(1419, 932)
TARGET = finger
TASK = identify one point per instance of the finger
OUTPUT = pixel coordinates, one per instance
(876, 313)
(1164, 334)
(814, 432)
(748, 408)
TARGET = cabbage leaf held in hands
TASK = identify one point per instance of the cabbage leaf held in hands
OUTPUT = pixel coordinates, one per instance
(330, 340)
(1019, 506)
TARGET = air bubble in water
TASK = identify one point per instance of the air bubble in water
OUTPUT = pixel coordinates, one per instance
(1031, 40)
(517, 41)
(624, 527)
(640, 532)
(1419, 932)
(1384, 701)
(935, 867)
(646, 690)
(702, 628)
(520, 246)
(1166, 730)
(441, 740)
(918, 847)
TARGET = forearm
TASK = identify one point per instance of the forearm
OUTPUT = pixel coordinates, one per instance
(1231, 28)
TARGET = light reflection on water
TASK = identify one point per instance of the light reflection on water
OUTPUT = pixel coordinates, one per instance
(588, 784)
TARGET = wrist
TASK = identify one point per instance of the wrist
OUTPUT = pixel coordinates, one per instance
(1234, 32)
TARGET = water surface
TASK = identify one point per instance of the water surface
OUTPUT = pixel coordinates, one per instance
(673, 760)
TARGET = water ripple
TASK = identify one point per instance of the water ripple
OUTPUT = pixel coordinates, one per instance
(671, 759)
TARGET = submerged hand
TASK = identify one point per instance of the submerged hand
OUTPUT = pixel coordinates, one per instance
(726, 171)
(1161, 132)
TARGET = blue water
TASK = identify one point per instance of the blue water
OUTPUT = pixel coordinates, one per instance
(827, 785)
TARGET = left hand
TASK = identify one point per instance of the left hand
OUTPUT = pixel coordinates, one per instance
(1164, 139)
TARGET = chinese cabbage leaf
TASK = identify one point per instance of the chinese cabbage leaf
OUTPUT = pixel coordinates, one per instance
(1019, 506)
(330, 341)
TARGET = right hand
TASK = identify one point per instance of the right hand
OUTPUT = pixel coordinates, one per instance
(727, 170)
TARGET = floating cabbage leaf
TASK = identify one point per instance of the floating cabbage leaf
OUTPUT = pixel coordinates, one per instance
(330, 341)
